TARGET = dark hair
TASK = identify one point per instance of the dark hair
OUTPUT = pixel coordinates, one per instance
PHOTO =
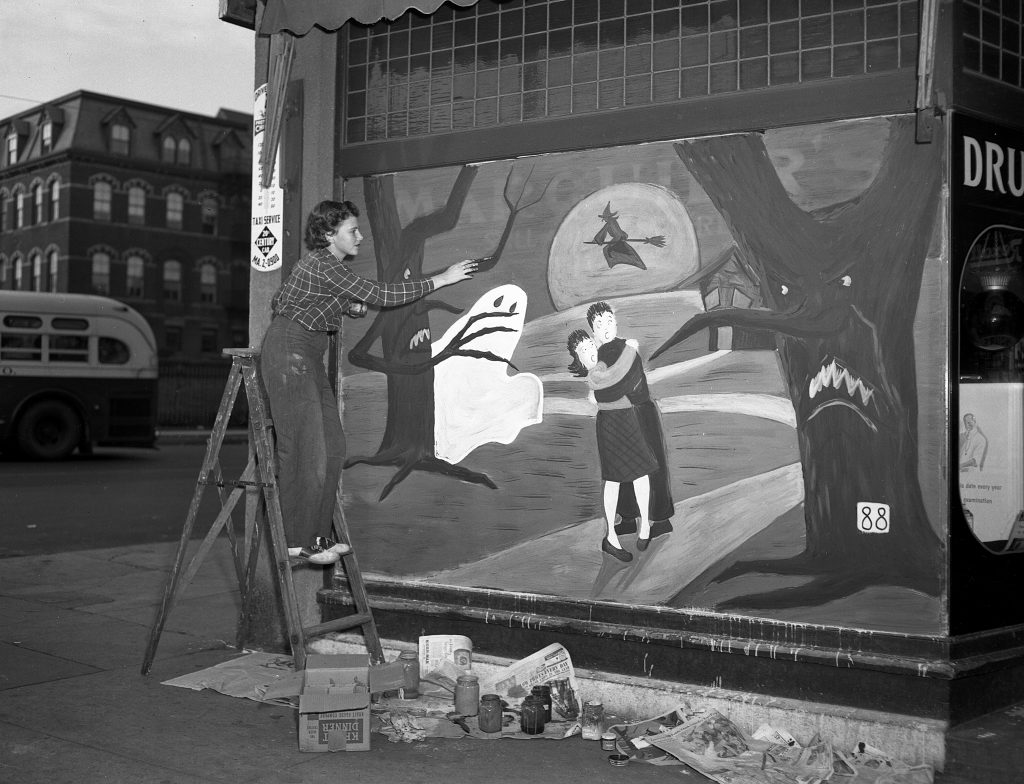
(325, 218)
(596, 310)
(576, 367)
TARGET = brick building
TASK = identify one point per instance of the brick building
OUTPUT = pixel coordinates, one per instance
(143, 203)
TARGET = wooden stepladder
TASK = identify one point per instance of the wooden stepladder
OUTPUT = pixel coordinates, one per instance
(259, 475)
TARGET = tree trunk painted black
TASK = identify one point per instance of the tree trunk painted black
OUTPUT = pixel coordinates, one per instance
(842, 294)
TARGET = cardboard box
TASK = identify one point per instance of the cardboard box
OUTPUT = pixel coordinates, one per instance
(334, 705)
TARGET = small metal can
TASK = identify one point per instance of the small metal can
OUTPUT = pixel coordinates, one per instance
(608, 741)
(618, 759)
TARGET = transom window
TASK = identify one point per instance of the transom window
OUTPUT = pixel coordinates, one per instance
(993, 40)
(499, 63)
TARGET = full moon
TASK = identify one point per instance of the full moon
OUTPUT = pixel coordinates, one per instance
(657, 227)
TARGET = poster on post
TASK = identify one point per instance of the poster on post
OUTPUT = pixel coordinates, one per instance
(267, 203)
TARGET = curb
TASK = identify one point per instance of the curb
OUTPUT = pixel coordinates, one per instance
(178, 437)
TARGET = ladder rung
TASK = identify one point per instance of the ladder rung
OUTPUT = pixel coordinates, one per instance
(338, 624)
(234, 483)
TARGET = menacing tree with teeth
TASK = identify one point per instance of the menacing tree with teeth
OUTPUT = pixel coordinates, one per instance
(842, 292)
(404, 333)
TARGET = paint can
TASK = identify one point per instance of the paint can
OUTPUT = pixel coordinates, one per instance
(467, 695)
(608, 741)
(618, 760)
(532, 715)
(489, 718)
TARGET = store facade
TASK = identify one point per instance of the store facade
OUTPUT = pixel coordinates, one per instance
(791, 208)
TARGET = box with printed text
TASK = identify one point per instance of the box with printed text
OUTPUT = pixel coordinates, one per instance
(334, 705)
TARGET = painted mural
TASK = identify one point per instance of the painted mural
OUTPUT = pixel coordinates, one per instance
(693, 374)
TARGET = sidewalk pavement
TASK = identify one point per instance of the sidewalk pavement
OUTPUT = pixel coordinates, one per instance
(75, 708)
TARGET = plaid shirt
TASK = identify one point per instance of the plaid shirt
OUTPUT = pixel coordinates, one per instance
(318, 292)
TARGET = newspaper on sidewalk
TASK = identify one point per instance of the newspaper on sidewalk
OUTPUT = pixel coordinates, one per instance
(443, 658)
(551, 665)
(713, 745)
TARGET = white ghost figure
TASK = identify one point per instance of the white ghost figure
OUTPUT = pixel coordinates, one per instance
(477, 401)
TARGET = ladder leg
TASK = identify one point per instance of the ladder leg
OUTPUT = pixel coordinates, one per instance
(209, 461)
(360, 599)
(275, 522)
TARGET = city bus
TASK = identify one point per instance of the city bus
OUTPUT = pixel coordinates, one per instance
(76, 370)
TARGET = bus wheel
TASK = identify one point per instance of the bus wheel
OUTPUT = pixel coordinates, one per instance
(49, 430)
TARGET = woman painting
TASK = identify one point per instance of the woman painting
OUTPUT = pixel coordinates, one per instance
(308, 307)
(622, 449)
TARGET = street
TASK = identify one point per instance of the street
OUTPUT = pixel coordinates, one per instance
(111, 498)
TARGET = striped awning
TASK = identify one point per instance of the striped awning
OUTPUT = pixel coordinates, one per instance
(300, 16)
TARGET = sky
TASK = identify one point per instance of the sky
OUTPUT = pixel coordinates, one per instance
(173, 53)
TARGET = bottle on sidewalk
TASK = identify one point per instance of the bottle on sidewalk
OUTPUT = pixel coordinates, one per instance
(411, 672)
(593, 720)
(489, 718)
(467, 695)
(532, 715)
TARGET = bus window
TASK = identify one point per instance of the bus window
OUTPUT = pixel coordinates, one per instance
(113, 352)
(69, 323)
(23, 322)
(22, 347)
(69, 348)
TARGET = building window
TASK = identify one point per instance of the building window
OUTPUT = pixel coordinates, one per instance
(47, 137)
(54, 270)
(5, 205)
(137, 205)
(135, 271)
(37, 199)
(175, 210)
(992, 41)
(101, 196)
(101, 273)
(168, 149)
(23, 274)
(36, 261)
(172, 281)
(19, 210)
(208, 340)
(5, 273)
(12, 148)
(120, 139)
(209, 213)
(172, 339)
(54, 200)
(184, 152)
(208, 283)
(495, 63)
